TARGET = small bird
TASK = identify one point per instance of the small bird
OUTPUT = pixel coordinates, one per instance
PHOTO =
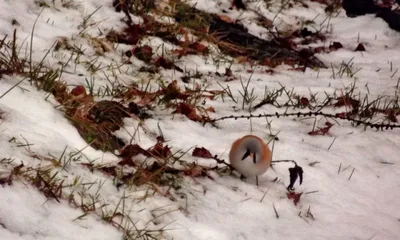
(250, 156)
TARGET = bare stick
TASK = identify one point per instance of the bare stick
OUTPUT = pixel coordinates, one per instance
(352, 173)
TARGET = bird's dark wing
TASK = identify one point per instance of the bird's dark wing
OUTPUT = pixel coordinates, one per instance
(246, 154)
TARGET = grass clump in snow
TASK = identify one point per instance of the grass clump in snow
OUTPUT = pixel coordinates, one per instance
(60, 180)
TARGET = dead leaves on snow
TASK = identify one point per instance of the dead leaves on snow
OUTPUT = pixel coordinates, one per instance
(181, 101)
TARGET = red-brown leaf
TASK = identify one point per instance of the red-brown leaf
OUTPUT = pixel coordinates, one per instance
(360, 48)
(163, 62)
(347, 101)
(335, 46)
(322, 131)
(127, 161)
(187, 110)
(78, 90)
(161, 151)
(132, 150)
(108, 170)
(228, 72)
(6, 180)
(143, 53)
(199, 48)
(201, 152)
(295, 197)
(304, 102)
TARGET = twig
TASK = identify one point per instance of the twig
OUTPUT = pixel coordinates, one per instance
(385, 162)
(311, 192)
(378, 126)
(329, 148)
(221, 161)
(276, 213)
(352, 173)
(264, 195)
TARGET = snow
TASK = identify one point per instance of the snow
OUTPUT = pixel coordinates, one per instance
(26, 214)
(350, 192)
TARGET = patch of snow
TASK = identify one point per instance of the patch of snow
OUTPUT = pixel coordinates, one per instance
(362, 206)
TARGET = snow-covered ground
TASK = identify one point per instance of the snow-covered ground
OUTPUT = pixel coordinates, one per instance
(351, 188)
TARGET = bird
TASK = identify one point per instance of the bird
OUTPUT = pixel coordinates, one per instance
(250, 156)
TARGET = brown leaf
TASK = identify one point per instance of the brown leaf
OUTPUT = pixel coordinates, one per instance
(195, 171)
(226, 18)
(173, 91)
(322, 131)
(199, 48)
(181, 52)
(189, 111)
(294, 196)
(133, 150)
(347, 101)
(163, 62)
(360, 48)
(335, 46)
(264, 22)
(109, 170)
(242, 59)
(343, 114)
(238, 4)
(306, 53)
(6, 180)
(304, 102)
(391, 115)
(127, 161)
(201, 152)
(130, 35)
(143, 53)
(78, 90)
(210, 109)
(318, 49)
(16, 170)
(160, 139)
(161, 151)
(228, 72)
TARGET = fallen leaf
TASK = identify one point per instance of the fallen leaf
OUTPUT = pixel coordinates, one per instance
(201, 152)
(78, 90)
(16, 170)
(195, 171)
(189, 111)
(228, 72)
(225, 18)
(347, 101)
(163, 62)
(161, 151)
(391, 115)
(199, 48)
(322, 131)
(335, 46)
(360, 48)
(6, 180)
(318, 49)
(304, 102)
(133, 150)
(210, 109)
(143, 53)
(238, 4)
(108, 170)
(294, 196)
